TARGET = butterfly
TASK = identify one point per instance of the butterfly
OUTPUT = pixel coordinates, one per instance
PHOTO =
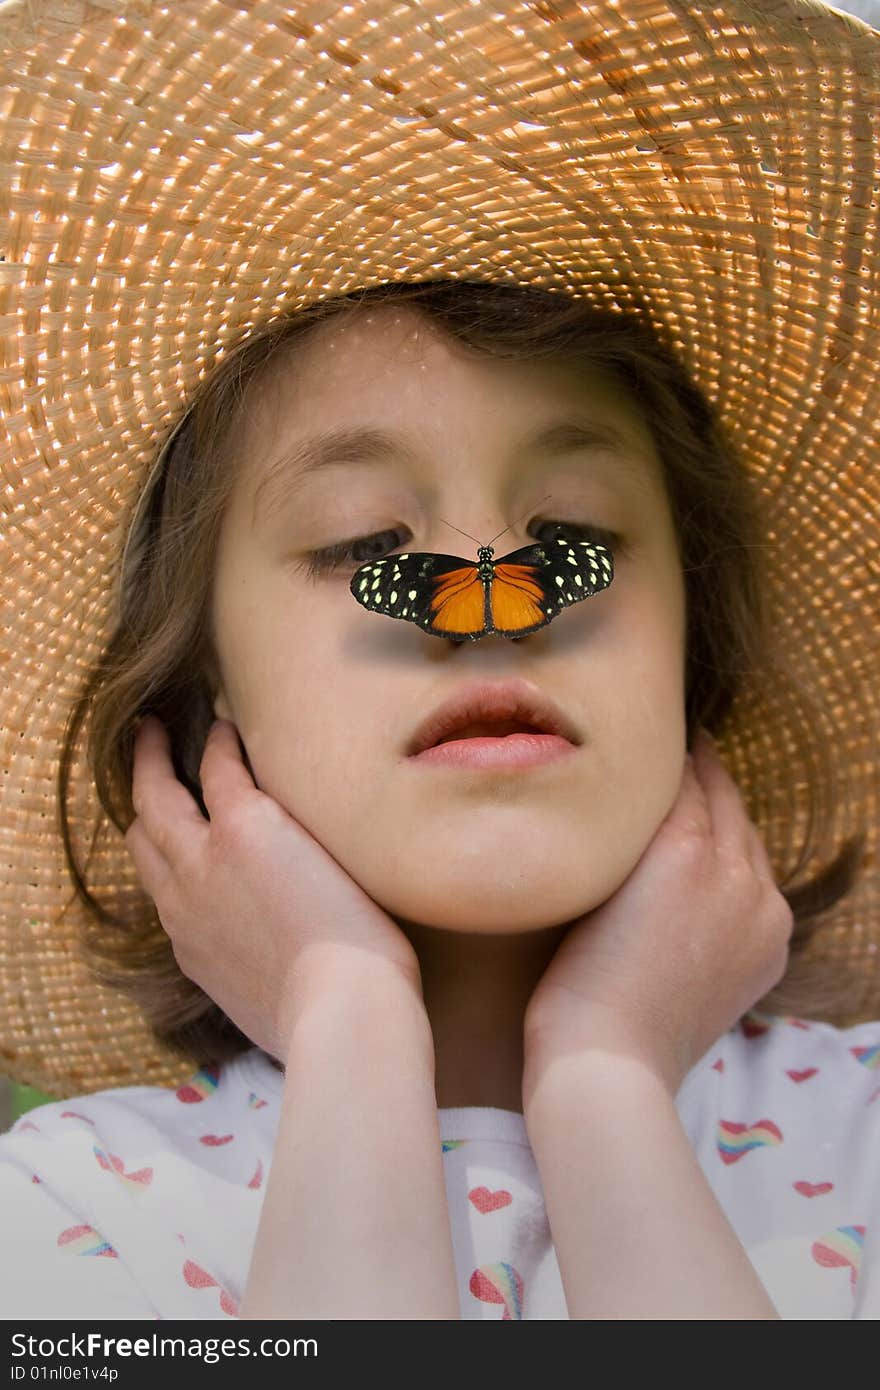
(448, 596)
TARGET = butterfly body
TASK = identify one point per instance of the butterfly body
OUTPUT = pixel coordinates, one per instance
(448, 596)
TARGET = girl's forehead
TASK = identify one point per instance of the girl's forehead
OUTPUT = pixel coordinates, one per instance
(368, 354)
(356, 385)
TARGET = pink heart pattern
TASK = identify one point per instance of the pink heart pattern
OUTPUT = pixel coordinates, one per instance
(484, 1200)
(841, 1249)
(752, 1027)
(198, 1278)
(868, 1056)
(85, 1240)
(112, 1163)
(499, 1283)
(199, 1087)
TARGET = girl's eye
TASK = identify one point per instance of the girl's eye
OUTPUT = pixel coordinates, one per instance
(363, 549)
(587, 532)
(351, 553)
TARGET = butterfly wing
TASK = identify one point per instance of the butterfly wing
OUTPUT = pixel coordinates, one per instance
(442, 593)
(445, 596)
(533, 585)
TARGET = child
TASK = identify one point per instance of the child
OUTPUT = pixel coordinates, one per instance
(355, 1019)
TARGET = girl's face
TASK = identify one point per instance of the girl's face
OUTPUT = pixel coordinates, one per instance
(326, 695)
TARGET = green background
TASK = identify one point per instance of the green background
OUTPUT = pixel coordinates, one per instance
(25, 1098)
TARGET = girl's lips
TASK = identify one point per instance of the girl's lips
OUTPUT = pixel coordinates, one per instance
(504, 751)
(514, 700)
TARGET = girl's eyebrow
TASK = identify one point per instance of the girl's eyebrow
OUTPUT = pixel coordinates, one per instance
(346, 447)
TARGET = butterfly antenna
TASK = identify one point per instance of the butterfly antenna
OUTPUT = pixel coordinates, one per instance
(494, 538)
(459, 530)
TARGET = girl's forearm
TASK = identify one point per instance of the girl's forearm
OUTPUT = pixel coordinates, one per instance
(638, 1232)
(355, 1223)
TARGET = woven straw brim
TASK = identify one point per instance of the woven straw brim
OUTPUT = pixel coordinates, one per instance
(177, 173)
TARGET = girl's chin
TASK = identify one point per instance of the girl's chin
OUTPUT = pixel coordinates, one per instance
(485, 912)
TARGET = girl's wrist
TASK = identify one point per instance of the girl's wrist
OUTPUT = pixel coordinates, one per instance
(551, 1053)
(343, 987)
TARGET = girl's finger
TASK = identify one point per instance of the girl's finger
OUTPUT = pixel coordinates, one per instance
(758, 857)
(731, 826)
(160, 800)
(151, 864)
(690, 810)
(223, 774)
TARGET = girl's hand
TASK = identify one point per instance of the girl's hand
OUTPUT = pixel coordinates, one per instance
(687, 945)
(255, 907)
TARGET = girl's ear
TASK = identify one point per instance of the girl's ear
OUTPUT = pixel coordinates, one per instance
(221, 707)
(214, 685)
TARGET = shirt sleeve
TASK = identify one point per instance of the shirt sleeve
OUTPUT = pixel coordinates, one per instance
(57, 1262)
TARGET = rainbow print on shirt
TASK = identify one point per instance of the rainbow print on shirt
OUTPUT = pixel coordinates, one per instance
(735, 1140)
(85, 1240)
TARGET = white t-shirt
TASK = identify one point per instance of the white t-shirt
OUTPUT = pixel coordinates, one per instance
(143, 1202)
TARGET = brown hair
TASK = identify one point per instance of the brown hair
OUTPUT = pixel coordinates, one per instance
(159, 657)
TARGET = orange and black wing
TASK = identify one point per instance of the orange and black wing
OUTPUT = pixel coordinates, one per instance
(442, 593)
(446, 597)
(532, 586)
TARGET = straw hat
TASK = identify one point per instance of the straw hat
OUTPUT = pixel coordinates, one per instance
(176, 173)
